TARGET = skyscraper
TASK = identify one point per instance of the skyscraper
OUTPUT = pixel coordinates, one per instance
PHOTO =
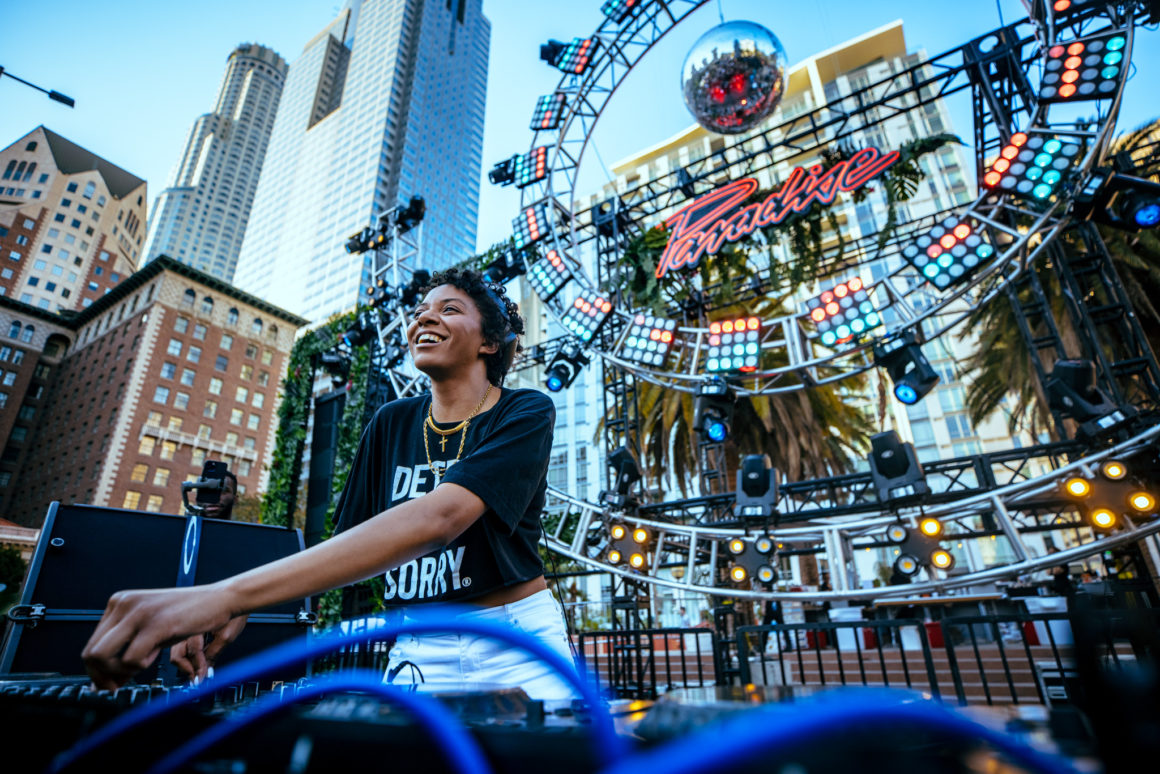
(383, 104)
(200, 218)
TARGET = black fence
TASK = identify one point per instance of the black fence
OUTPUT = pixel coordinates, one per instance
(1017, 658)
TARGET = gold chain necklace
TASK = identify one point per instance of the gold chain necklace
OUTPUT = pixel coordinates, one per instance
(438, 468)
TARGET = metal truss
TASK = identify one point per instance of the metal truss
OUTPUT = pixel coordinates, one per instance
(1004, 495)
(393, 264)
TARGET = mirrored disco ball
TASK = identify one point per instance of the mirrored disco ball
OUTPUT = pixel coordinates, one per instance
(733, 77)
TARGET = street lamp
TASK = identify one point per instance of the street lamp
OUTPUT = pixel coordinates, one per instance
(54, 95)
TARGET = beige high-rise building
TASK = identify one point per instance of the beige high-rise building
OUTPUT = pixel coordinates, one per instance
(72, 224)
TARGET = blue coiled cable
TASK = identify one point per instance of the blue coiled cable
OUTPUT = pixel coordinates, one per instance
(609, 746)
(461, 750)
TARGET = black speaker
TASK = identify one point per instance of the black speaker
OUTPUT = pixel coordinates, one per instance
(86, 553)
(323, 448)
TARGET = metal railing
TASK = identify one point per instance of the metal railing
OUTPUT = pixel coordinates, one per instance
(641, 663)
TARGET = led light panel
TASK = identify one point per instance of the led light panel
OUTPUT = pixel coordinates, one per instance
(649, 340)
(548, 275)
(576, 56)
(587, 313)
(549, 112)
(531, 225)
(618, 10)
(531, 166)
(949, 252)
(1084, 69)
(734, 345)
(1032, 165)
(843, 312)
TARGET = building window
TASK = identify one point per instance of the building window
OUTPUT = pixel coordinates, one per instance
(236, 416)
(26, 336)
(187, 375)
(232, 317)
(259, 400)
(14, 330)
(168, 370)
(256, 327)
(203, 430)
(207, 305)
(241, 394)
(232, 439)
(154, 503)
(161, 477)
(227, 341)
(199, 332)
(215, 386)
(210, 409)
(174, 347)
(197, 459)
(161, 395)
(252, 421)
(154, 419)
(181, 401)
(176, 423)
(222, 363)
(131, 499)
(168, 448)
(267, 357)
(251, 351)
(250, 443)
(247, 371)
(243, 467)
(181, 324)
(140, 473)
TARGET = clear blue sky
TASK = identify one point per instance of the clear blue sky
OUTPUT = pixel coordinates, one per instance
(142, 71)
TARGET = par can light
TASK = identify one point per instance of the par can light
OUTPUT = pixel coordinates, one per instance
(636, 560)
(1114, 470)
(614, 557)
(930, 527)
(942, 559)
(766, 574)
(640, 535)
(763, 545)
(736, 546)
(896, 533)
(738, 574)
(1077, 487)
(1142, 501)
(1103, 518)
(618, 531)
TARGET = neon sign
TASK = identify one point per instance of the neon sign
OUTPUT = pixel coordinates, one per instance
(705, 225)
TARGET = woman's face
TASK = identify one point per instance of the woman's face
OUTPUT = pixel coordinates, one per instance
(446, 333)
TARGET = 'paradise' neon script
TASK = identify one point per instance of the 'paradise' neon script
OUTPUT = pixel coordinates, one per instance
(711, 220)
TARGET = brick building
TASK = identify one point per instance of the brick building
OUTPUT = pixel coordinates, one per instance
(168, 368)
(71, 223)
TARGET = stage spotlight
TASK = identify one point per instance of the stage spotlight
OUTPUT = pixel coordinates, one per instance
(1103, 518)
(686, 184)
(335, 364)
(1114, 469)
(564, 367)
(631, 544)
(618, 531)
(571, 57)
(950, 252)
(619, 10)
(406, 218)
(549, 112)
(909, 369)
(614, 557)
(895, 470)
(756, 493)
(359, 333)
(1071, 390)
(942, 559)
(736, 546)
(1089, 68)
(764, 545)
(907, 565)
(409, 294)
(1032, 165)
(1142, 501)
(504, 268)
(637, 560)
(504, 172)
(897, 533)
(738, 574)
(713, 411)
(930, 527)
(734, 345)
(548, 275)
(1077, 487)
(843, 312)
(640, 535)
(609, 217)
(361, 242)
(587, 314)
(649, 340)
(626, 471)
(766, 574)
(531, 225)
(1119, 200)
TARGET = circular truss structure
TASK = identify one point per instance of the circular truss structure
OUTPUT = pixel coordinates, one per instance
(1021, 230)
(1005, 496)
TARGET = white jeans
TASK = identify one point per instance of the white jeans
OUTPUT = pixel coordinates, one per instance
(467, 661)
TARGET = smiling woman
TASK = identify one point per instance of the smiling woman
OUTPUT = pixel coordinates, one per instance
(443, 498)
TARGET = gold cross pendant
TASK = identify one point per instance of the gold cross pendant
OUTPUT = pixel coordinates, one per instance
(442, 443)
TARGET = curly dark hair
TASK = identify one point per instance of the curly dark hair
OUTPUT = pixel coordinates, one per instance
(502, 323)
